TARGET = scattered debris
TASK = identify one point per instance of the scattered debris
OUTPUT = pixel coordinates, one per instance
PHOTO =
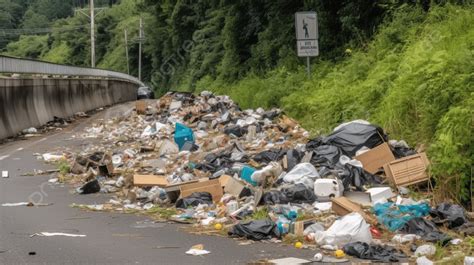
(5, 174)
(25, 204)
(56, 234)
(197, 250)
(256, 174)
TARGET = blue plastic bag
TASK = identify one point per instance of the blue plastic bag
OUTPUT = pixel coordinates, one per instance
(395, 216)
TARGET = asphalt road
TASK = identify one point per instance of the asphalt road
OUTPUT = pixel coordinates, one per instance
(110, 238)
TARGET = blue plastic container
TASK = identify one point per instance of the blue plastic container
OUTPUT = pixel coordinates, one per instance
(246, 175)
(182, 134)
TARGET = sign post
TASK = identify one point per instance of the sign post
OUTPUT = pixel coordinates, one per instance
(306, 25)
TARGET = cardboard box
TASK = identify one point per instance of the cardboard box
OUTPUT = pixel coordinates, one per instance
(149, 180)
(342, 206)
(408, 170)
(212, 186)
(376, 157)
(141, 106)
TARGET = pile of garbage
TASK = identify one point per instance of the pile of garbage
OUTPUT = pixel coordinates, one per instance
(257, 174)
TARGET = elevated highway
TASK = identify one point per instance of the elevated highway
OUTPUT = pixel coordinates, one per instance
(34, 92)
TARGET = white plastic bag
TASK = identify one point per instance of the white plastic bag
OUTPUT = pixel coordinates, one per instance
(350, 228)
(302, 173)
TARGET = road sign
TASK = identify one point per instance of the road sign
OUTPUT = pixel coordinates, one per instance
(308, 48)
(306, 24)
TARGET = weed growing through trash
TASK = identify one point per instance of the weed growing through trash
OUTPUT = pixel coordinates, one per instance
(63, 166)
(161, 213)
(259, 214)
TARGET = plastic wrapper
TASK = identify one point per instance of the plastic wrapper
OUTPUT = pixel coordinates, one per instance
(363, 250)
(255, 230)
(194, 199)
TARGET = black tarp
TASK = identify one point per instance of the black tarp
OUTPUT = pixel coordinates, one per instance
(354, 136)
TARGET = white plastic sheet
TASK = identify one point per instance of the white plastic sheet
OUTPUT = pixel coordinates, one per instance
(350, 228)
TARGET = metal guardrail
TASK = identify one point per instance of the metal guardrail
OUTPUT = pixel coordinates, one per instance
(29, 66)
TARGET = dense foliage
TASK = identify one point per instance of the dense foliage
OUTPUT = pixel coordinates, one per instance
(405, 65)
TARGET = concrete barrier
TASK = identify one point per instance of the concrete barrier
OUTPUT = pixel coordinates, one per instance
(26, 103)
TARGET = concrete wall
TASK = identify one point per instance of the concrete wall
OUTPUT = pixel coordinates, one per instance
(26, 103)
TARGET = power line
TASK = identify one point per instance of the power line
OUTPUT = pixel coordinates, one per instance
(34, 31)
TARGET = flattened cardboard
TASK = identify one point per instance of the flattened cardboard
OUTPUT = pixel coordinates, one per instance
(149, 180)
(376, 157)
(234, 187)
(224, 179)
(212, 186)
(342, 206)
(408, 170)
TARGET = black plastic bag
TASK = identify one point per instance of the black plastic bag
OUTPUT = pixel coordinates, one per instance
(400, 151)
(215, 162)
(194, 199)
(426, 229)
(357, 177)
(299, 193)
(235, 130)
(325, 155)
(314, 143)
(271, 114)
(255, 230)
(373, 252)
(274, 197)
(269, 156)
(453, 214)
(293, 158)
(354, 136)
(92, 186)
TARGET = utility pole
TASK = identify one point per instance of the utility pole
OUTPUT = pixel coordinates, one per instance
(91, 14)
(126, 50)
(92, 17)
(140, 50)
